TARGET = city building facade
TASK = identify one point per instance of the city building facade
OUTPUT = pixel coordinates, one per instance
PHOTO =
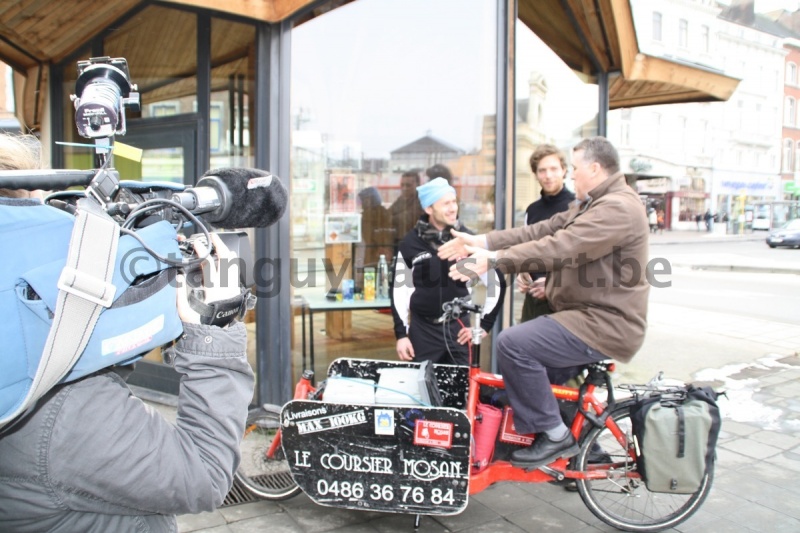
(722, 157)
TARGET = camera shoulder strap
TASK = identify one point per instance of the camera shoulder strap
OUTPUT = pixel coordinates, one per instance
(85, 288)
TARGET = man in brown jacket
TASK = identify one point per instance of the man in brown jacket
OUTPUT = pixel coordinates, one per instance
(596, 253)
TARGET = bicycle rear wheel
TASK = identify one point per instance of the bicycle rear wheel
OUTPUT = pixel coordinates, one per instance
(268, 478)
(623, 501)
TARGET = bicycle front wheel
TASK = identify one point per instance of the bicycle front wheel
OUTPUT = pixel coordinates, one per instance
(622, 500)
(266, 477)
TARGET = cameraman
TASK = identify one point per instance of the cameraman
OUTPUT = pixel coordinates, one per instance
(92, 457)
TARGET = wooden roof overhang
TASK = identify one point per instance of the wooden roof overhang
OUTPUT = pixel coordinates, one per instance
(590, 36)
(593, 36)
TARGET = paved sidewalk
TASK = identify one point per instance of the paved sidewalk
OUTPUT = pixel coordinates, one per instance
(757, 478)
(684, 236)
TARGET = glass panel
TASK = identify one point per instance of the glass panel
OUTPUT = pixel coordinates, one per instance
(74, 157)
(165, 68)
(556, 106)
(231, 117)
(232, 83)
(371, 99)
(163, 164)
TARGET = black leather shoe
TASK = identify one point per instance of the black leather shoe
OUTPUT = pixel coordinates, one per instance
(544, 451)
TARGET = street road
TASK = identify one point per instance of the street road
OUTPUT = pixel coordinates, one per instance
(762, 295)
(714, 318)
(774, 297)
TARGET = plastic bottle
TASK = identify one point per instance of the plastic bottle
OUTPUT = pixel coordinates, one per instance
(383, 277)
(369, 283)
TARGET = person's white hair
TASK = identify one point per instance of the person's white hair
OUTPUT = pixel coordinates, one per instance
(19, 152)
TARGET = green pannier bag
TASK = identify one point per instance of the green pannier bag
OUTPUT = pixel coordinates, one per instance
(675, 435)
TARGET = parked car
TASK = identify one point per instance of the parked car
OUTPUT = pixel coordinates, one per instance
(760, 222)
(786, 235)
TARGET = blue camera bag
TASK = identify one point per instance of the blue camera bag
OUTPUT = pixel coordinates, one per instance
(141, 316)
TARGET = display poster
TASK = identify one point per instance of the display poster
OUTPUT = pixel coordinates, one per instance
(342, 193)
(342, 228)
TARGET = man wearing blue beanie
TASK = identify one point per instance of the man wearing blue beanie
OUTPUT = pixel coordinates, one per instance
(421, 285)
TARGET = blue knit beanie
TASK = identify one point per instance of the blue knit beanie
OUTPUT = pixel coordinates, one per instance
(431, 192)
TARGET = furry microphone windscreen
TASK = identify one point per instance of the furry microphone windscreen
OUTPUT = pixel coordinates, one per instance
(258, 198)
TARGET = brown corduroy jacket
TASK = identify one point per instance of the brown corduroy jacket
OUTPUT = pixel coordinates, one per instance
(596, 257)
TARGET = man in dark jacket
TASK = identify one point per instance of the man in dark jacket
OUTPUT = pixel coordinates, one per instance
(421, 285)
(549, 165)
(599, 251)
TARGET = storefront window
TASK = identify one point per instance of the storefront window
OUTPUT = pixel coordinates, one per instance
(160, 46)
(165, 72)
(74, 156)
(554, 105)
(231, 120)
(379, 89)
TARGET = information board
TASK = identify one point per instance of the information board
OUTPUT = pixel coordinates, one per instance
(403, 459)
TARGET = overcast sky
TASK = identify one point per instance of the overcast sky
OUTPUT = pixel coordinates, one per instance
(385, 73)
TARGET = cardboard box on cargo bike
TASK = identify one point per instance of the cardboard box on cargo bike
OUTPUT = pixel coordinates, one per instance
(387, 436)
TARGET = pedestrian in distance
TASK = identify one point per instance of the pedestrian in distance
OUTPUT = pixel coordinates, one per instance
(600, 307)
(405, 210)
(652, 219)
(377, 233)
(709, 220)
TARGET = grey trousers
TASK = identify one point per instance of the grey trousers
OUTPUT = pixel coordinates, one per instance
(523, 354)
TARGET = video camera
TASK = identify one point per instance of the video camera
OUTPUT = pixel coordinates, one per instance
(87, 281)
(102, 92)
(223, 198)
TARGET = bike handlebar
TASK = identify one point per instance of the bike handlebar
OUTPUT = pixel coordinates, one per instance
(458, 306)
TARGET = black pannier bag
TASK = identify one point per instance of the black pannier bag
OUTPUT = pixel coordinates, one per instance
(675, 435)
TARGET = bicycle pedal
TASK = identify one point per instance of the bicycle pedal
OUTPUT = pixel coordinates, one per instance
(558, 475)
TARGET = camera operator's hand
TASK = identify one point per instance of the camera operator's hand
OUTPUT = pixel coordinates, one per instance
(218, 284)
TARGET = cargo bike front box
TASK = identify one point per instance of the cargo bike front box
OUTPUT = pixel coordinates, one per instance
(387, 436)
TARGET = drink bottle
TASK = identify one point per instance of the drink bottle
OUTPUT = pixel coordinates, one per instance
(383, 277)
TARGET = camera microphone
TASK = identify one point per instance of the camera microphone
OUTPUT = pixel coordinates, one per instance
(236, 198)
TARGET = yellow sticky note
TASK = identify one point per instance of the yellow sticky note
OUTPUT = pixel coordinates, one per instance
(128, 152)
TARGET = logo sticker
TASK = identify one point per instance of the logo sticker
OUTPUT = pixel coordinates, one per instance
(262, 181)
(336, 421)
(430, 433)
(384, 422)
(508, 433)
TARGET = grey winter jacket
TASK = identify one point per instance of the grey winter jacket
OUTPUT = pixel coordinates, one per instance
(94, 458)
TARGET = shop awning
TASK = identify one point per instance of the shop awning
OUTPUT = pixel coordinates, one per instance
(593, 36)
